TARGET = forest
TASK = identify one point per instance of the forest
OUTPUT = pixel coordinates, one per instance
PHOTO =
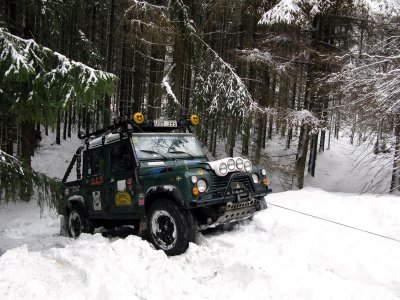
(301, 71)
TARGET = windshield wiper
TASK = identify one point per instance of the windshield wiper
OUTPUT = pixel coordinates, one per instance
(181, 152)
(153, 152)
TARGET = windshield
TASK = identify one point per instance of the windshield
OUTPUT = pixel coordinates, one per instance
(166, 146)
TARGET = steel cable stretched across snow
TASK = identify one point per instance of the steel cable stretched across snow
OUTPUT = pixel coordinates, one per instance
(334, 222)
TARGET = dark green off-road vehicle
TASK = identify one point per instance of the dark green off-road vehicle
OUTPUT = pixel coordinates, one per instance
(143, 173)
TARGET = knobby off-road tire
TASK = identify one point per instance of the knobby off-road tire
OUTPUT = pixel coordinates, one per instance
(170, 228)
(77, 223)
(261, 204)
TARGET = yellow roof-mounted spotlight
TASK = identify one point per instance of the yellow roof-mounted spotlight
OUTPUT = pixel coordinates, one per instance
(194, 120)
(138, 118)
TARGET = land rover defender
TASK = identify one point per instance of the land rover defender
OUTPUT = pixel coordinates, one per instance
(154, 175)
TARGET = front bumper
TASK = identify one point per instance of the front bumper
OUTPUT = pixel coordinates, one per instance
(235, 198)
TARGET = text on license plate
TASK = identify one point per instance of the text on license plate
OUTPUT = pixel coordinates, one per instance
(165, 123)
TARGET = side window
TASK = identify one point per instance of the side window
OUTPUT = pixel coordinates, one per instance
(95, 162)
(121, 159)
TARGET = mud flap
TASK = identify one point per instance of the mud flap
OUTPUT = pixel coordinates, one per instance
(63, 226)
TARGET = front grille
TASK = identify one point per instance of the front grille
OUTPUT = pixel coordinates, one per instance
(245, 179)
(219, 184)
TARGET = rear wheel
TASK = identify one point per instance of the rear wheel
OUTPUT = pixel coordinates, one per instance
(77, 222)
(169, 227)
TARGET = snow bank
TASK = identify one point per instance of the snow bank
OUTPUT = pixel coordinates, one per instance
(278, 255)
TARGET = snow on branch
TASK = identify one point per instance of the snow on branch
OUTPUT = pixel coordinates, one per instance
(216, 83)
(52, 80)
(373, 83)
(256, 56)
(17, 54)
(167, 86)
(295, 12)
(305, 117)
(301, 12)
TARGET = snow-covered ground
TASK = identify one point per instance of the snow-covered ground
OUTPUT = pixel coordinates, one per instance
(278, 255)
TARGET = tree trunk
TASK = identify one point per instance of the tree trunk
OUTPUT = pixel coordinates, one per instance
(302, 154)
(178, 57)
(110, 41)
(395, 183)
(232, 139)
(58, 128)
(260, 126)
(313, 154)
(65, 125)
(246, 135)
(155, 76)
(27, 140)
(70, 120)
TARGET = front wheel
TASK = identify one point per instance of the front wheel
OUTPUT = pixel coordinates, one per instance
(169, 228)
(77, 223)
(261, 204)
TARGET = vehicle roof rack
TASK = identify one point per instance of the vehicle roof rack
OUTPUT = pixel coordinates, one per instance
(136, 123)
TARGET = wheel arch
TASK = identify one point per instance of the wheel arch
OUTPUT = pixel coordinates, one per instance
(77, 201)
(170, 193)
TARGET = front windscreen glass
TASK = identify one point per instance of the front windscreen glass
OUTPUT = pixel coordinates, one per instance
(166, 146)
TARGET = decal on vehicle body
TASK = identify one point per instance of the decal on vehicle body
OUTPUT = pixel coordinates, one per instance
(97, 180)
(155, 163)
(123, 199)
(193, 161)
(96, 197)
(121, 185)
(141, 199)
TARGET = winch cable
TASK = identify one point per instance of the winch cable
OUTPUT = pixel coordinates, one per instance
(334, 222)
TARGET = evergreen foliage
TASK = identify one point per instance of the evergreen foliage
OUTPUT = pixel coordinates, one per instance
(37, 82)
(19, 182)
(294, 69)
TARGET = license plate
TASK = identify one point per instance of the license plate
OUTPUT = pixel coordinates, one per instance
(165, 123)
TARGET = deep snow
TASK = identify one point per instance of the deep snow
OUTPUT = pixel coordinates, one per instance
(278, 255)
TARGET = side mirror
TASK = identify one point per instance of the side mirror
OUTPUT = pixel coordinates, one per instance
(81, 135)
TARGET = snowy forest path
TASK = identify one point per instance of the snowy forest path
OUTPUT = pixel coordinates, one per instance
(336, 169)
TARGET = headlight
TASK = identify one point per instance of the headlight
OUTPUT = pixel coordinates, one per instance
(202, 185)
(263, 172)
(193, 179)
(223, 169)
(231, 164)
(255, 178)
(247, 166)
(239, 163)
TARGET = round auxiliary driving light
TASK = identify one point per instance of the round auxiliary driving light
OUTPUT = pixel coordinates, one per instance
(194, 120)
(263, 172)
(248, 166)
(138, 118)
(231, 165)
(223, 169)
(193, 179)
(255, 178)
(239, 163)
(202, 185)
